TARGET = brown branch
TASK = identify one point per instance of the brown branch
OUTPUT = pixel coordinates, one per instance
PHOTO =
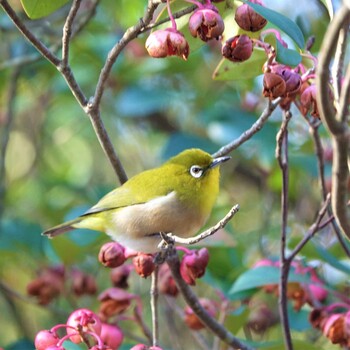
(154, 306)
(282, 158)
(311, 231)
(28, 34)
(170, 238)
(67, 31)
(336, 122)
(130, 34)
(246, 135)
(192, 300)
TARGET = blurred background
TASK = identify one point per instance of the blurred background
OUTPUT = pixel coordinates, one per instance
(53, 168)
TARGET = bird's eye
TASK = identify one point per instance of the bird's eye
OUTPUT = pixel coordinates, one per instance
(196, 171)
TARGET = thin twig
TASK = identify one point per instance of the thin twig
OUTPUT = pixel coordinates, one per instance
(282, 157)
(246, 135)
(336, 122)
(154, 306)
(67, 31)
(311, 231)
(169, 238)
(130, 34)
(320, 163)
(29, 35)
(139, 319)
(192, 300)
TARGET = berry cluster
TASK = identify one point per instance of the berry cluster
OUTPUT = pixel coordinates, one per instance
(100, 331)
(290, 84)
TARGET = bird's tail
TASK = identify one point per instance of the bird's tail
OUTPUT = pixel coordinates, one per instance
(62, 228)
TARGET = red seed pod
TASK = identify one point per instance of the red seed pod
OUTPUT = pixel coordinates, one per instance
(191, 319)
(82, 320)
(120, 275)
(114, 301)
(206, 23)
(83, 283)
(44, 339)
(248, 19)
(238, 49)
(166, 282)
(112, 254)
(111, 335)
(167, 42)
(144, 264)
(309, 102)
(274, 85)
(193, 265)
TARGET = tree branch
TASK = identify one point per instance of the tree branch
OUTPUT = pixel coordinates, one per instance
(154, 306)
(28, 34)
(336, 122)
(169, 238)
(113, 54)
(192, 300)
(282, 158)
(246, 135)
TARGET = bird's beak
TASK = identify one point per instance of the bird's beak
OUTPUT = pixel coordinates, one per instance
(218, 161)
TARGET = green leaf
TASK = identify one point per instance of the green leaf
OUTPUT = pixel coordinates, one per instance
(41, 8)
(287, 56)
(280, 21)
(261, 276)
(332, 260)
(227, 70)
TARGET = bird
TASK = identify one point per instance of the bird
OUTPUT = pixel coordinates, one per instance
(176, 197)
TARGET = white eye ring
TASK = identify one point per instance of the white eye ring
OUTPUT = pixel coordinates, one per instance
(196, 171)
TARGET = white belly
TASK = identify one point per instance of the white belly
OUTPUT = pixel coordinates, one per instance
(137, 226)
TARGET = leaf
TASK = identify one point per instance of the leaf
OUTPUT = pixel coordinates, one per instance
(41, 8)
(261, 276)
(227, 70)
(287, 56)
(280, 21)
(332, 260)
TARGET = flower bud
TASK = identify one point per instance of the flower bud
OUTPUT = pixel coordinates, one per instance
(112, 254)
(114, 301)
(167, 42)
(238, 49)
(309, 102)
(166, 282)
(44, 339)
(144, 264)
(111, 335)
(191, 319)
(334, 329)
(120, 275)
(248, 19)
(193, 265)
(274, 85)
(82, 320)
(206, 23)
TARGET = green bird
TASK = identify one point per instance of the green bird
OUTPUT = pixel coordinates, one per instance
(177, 197)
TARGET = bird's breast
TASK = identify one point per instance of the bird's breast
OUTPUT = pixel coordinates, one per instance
(161, 214)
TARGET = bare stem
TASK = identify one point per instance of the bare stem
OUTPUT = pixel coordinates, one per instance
(169, 238)
(246, 135)
(67, 31)
(154, 306)
(130, 34)
(282, 158)
(192, 300)
(336, 122)
(28, 34)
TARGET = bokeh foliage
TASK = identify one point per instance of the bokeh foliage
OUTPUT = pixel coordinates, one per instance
(152, 109)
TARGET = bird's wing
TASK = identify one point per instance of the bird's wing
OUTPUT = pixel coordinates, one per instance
(138, 190)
